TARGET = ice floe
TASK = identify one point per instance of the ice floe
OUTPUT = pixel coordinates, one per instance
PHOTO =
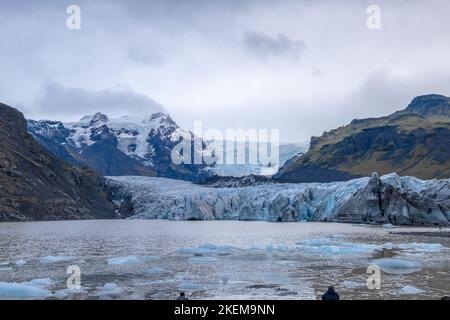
(40, 283)
(411, 290)
(189, 286)
(109, 289)
(55, 259)
(207, 248)
(121, 261)
(65, 293)
(156, 270)
(425, 247)
(20, 263)
(203, 260)
(328, 247)
(20, 290)
(397, 266)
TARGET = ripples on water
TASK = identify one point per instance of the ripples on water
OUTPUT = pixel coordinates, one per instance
(142, 259)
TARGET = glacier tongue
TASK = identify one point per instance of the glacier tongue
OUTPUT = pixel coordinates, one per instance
(389, 199)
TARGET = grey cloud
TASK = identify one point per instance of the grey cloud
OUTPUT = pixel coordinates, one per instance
(264, 45)
(145, 57)
(73, 103)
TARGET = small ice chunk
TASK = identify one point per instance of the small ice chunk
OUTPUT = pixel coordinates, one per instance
(316, 242)
(187, 285)
(389, 226)
(411, 290)
(40, 283)
(20, 263)
(156, 270)
(397, 266)
(110, 289)
(64, 293)
(5, 269)
(19, 290)
(150, 258)
(203, 260)
(349, 284)
(418, 246)
(121, 261)
(55, 259)
(207, 248)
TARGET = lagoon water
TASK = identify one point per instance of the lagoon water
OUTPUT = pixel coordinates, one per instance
(154, 259)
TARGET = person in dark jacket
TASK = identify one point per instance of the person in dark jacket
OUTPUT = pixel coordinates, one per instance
(182, 296)
(330, 294)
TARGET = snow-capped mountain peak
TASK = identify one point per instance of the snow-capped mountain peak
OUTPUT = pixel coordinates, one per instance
(147, 141)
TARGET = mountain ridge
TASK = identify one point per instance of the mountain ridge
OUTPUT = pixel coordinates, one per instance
(119, 146)
(414, 141)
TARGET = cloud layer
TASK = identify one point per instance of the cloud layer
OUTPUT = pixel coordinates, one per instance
(300, 66)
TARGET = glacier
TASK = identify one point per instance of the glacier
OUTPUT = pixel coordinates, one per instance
(390, 199)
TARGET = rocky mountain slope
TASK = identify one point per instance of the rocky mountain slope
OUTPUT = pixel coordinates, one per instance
(35, 185)
(122, 146)
(414, 141)
(389, 199)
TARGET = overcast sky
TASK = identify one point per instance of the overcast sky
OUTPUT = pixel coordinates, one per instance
(300, 66)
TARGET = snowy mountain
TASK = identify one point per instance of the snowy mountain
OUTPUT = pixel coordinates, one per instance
(120, 146)
(389, 199)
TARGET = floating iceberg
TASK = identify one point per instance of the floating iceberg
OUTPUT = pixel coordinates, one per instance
(23, 291)
(397, 266)
(423, 247)
(64, 293)
(109, 289)
(207, 248)
(411, 290)
(203, 260)
(190, 286)
(330, 247)
(40, 283)
(55, 259)
(120, 261)
(20, 263)
(156, 270)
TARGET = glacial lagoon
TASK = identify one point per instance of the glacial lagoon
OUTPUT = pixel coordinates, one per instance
(156, 259)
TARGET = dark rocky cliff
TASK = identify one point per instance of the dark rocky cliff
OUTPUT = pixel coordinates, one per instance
(36, 185)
